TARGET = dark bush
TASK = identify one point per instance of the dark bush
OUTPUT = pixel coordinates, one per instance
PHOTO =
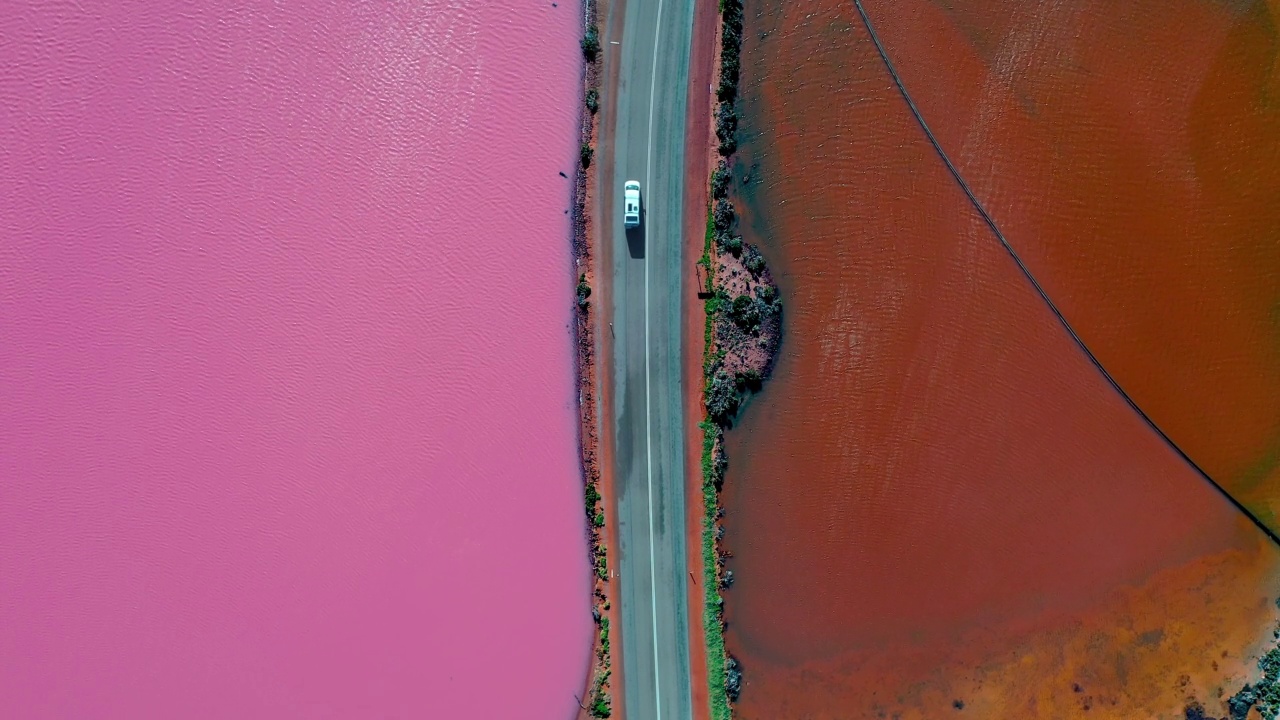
(722, 216)
(727, 147)
(584, 291)
(730, 243)
(591, 44)
(1265, 695)
(754, 262)
(730, 64)
(588, 152)
(731, 21)
(745, 312)
(732, 679)
(1195, 711)
(727, 89)
(726, 124)
(593, 100)
(1240, 703)
(730, 52)
(720, 179)
(768, 295)
(730, 67)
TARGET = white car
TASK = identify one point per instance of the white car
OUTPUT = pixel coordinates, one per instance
(631, 204)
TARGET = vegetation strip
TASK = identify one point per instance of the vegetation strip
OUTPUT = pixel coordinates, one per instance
(598, 702)
(1263, 694)
(741, 335)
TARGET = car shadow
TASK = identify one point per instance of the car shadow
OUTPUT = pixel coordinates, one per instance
(635, 241)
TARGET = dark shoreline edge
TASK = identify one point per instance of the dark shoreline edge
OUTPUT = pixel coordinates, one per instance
(596, 699)
(741, 337)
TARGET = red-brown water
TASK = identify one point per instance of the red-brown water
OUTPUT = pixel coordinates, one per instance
(1133, 158)
(937, 498)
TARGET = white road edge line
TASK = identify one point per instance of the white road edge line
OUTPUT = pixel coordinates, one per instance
(648, 422)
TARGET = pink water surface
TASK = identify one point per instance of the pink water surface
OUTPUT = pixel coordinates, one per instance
(287, 418)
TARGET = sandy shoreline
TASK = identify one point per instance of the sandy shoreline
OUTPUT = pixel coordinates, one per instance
(598, 687)
(589, 255)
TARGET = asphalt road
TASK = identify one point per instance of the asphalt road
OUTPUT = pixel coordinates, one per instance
(649, 437)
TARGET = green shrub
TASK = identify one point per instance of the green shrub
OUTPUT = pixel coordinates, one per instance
(722, 398)
(729, 243)
(726, 121)
(598, 521)
(745, 312)
(593, 100)
(730, 49)
(722, 215)
(728, 87)
(1265, 695)
(591, 44)
(720, 178)
(768, 296)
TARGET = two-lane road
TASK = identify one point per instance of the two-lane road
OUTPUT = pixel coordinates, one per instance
(645, 368)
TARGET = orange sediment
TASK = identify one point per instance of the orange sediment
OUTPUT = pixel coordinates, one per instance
(1188, 635)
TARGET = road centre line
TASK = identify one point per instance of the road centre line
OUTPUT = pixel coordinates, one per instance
(648, 415)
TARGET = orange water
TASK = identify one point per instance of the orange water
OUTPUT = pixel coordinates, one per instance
(936, 498)
(1133, 158)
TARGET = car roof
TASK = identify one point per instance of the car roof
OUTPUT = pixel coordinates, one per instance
(632, 185)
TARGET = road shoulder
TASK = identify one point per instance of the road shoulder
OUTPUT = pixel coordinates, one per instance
(700, 153)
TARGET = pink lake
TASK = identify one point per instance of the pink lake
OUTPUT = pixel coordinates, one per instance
(287, 413)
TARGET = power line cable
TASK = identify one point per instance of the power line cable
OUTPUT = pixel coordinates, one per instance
(1026, 272)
